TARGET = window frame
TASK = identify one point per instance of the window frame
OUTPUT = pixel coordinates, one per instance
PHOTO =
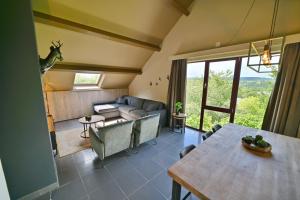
(234, 93)
(87, 84)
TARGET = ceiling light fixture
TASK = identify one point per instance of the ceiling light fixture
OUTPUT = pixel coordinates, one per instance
(265, 55)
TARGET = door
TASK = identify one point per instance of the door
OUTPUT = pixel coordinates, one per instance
(220, 89)
(194, 87)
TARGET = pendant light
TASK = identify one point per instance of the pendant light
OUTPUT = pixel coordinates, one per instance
(264, 55)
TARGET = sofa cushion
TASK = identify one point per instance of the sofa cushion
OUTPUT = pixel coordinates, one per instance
(138, 114)
(126, 108)
(121, 100)
(136, 102)
(152, 105)
(106, 108)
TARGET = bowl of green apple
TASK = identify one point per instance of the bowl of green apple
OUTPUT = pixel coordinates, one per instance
(256, 143)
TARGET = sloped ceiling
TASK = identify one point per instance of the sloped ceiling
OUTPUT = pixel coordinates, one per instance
(210, 22)
(148, 21)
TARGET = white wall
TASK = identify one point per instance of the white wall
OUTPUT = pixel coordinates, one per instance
(64, 105)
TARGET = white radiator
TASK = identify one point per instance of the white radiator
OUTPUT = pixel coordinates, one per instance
(3, 187)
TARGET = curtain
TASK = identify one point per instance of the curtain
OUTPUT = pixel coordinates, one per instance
(283, 110)
(177, 84)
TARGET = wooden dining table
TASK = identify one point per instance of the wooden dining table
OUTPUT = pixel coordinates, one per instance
(221, 168)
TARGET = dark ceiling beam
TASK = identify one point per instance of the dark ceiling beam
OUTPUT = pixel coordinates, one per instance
(94, 68)
(74, 26)
(183, 5)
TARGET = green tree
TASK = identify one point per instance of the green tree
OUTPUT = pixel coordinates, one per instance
(251, 110)
(253, 96)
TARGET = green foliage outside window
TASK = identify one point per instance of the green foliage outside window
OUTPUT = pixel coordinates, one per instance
(252, 99)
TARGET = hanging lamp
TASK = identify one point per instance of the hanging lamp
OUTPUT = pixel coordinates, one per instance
(264, 56)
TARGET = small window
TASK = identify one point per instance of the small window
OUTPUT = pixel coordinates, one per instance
(86, 79)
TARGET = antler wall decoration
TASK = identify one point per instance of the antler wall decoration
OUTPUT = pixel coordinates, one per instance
(49, 61)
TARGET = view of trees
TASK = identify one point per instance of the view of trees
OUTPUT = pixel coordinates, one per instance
(253, 96)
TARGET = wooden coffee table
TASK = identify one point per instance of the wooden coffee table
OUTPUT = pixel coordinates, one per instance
(94, 120)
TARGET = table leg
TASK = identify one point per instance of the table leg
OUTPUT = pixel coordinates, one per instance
(176, 191)
(184, 120)
(173, 125)
(84, 131)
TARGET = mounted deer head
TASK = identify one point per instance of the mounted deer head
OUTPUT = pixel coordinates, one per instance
(50, 60)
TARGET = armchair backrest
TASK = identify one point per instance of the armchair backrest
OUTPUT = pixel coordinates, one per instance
(146, 128)
(116, 137)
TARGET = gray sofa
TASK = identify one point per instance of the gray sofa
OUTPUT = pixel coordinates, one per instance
(132, 108)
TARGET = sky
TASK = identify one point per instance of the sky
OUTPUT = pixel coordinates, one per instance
(197, 69)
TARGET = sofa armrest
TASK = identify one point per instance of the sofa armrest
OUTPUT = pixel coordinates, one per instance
(163, 116)
(97, 144)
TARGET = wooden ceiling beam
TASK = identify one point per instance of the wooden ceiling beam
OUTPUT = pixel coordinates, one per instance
(94, 68)
(74, 26)
(183, 5)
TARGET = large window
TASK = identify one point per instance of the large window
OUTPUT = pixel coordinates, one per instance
(194, 85)
(253, 96)
(222, 91)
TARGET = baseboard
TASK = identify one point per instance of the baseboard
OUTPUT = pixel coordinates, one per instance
(40, 192)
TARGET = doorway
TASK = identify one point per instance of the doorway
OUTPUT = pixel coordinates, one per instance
(227, 90)
(211, 94)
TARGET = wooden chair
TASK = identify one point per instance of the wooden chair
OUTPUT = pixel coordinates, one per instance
(183, 153)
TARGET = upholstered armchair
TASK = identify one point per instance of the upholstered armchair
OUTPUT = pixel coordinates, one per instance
(111, 139)
(145, 129)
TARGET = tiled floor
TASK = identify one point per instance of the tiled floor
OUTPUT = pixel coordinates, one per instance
(127, 175)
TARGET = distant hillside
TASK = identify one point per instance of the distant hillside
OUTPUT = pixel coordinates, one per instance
(242, 78)
(254, 79)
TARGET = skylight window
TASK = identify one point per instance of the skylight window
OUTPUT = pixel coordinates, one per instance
(86, 79)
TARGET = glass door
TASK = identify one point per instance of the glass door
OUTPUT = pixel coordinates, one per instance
(194, 86)
(220, 88)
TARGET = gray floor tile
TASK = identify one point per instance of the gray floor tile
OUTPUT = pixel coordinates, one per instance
(164, 160)
(84, 156)
(148, 168)
(148, 192)
(173, 151)
(74, 190)
(98, 178)
(67, 176)
(67, 171)
(130, 181)
(119, 167)
(161, 145)
(108, 191)
(142, 175)
(89, 166)
(143, 154)
(163, 183)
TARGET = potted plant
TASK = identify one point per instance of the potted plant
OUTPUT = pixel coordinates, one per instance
(178, 107)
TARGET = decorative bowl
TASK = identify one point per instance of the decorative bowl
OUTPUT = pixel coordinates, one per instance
(88, 118)
(256, 148)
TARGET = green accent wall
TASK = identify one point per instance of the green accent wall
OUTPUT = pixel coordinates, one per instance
(25, 148)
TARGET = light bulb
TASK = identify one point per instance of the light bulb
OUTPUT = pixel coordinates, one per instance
(266, 56)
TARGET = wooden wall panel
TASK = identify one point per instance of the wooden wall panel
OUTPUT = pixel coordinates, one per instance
(64, 105)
